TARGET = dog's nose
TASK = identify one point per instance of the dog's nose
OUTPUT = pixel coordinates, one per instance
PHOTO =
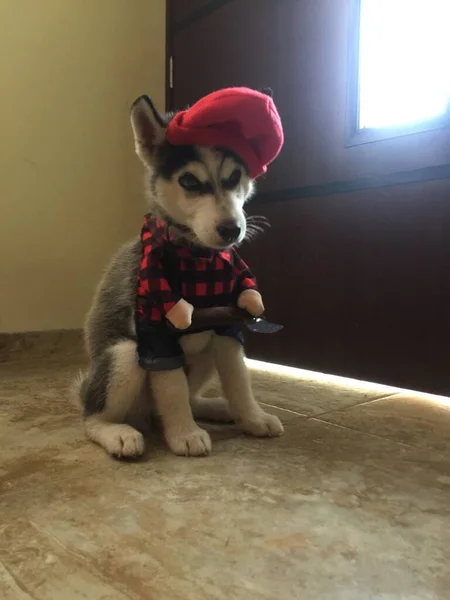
(229, 231)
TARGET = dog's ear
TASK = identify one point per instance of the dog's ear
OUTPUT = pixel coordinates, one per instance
(148, 127)
(267, 91)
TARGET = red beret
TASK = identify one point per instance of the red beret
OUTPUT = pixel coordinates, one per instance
(240, 119)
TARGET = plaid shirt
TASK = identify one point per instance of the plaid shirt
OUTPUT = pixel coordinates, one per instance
(171, 270)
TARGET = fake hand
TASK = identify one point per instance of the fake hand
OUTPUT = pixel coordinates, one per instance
(180, 315)
(251, 301)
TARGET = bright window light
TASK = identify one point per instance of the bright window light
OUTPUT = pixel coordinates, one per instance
(404, 61)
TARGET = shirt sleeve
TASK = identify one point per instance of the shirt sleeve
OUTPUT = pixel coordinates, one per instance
(245, 280)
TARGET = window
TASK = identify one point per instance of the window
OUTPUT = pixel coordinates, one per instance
(403, 68)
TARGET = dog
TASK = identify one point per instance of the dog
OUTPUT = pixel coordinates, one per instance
(198, 189)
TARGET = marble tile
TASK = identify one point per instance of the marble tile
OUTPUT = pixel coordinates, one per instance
(38, 565)
(327, 511)
(41, 431)
(324, 512)
(307, 395)
(410, 418)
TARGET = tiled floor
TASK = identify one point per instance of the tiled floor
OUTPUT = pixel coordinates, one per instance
(352, 503)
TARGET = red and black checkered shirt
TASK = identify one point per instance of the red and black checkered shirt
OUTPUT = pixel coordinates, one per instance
(171, 270)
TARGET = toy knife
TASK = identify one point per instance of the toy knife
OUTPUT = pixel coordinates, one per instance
(225, 315)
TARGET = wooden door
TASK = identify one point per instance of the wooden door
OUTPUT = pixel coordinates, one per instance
(357, 262)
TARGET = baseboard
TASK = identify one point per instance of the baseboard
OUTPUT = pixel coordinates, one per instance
(41, 344)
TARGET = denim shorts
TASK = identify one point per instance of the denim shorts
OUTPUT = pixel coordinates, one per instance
(159, 347)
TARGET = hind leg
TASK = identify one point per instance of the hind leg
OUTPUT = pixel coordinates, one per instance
(109, 394)
(201, 370)
(236, 383)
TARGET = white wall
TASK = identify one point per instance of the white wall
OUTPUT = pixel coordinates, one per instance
(70, 184)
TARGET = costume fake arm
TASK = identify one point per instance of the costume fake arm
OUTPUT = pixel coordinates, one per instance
(163, 300)
(249, 298)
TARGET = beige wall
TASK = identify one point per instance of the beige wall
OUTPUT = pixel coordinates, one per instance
(70, 185)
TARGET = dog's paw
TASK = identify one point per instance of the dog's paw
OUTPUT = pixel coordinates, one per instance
(263, 425)
(195, 442)
(123, 441)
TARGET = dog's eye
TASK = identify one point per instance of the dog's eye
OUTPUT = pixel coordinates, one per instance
(233, 180)
(190, 183)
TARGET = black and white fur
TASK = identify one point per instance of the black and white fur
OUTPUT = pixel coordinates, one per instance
(202, 190)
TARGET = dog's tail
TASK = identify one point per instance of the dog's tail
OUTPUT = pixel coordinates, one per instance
(78, 389)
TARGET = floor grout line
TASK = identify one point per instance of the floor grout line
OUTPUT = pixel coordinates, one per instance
(380, 437)
(327, 412)
(284, 409)
(83, 559)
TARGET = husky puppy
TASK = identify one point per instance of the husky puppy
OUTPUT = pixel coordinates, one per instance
(115, 393)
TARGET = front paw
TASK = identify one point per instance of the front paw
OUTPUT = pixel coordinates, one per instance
(123, 441)
(194, 442)
(263, 425)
